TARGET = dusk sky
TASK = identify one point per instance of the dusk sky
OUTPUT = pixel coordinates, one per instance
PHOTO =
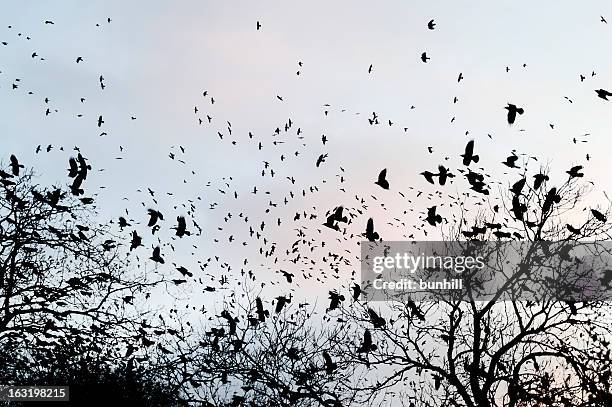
(157, 58)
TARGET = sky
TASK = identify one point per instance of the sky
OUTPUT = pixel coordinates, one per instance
(158, 57)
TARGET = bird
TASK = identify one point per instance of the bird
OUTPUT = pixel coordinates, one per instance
(518, 208)
(382, 182)
(376, 320)
(517, 187)
(607, 278)
(15, 166)
(429, 176)
(259, 309)
(356, 291)
(330, 366)
(73, 171)
(184, 271)
(424, 57)
(572, 229)
(136, 241)
(460, 77)
(443, 174)
(154, 216)
(574, 172)
(366, 345)
(602, 93)
(156, 256)
(100, 121)
(181, 228)
(432, 218)
(79, 59)
(321, 159)
(258, 25)
(468, 155)
(599, 216)
(280, 303)
(431, 24)
(539, 179)
(335, 300)
(511, 161)
(512, 111)
(370, 234)
(370, 68)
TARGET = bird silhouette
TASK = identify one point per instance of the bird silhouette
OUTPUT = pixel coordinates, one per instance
(370, 234)
(156, 256)
(382, 182)
(602, 93)
(321, 159)
(539, 180)
(512, 111)
(468, 155)
(511, 161)
(431, 24)
(599, 216)
(376, 320)
(574, 172)
(335, 300)
(330, 366)
(367, 345)
(432, 218)
(15, 166)
(424, 57)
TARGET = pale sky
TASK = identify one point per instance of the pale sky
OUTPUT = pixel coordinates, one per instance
(157, 57)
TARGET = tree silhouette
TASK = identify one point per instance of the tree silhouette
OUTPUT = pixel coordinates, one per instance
(535, 341)
(64, 282)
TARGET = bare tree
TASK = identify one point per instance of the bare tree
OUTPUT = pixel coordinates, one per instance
(535, 341)
(63, 277)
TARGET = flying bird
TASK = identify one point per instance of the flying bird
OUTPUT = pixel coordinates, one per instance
(602, 93)
(512, 111)
(382, 181)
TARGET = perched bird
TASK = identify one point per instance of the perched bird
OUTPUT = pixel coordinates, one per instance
(259, 309)
(539, 179)
(367, 345)
(574, 172)
(335, 300)
(376, 320)
(599, 216)
(330, 366)
(356, 291)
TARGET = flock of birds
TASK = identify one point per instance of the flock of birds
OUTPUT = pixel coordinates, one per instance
(314, 243)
